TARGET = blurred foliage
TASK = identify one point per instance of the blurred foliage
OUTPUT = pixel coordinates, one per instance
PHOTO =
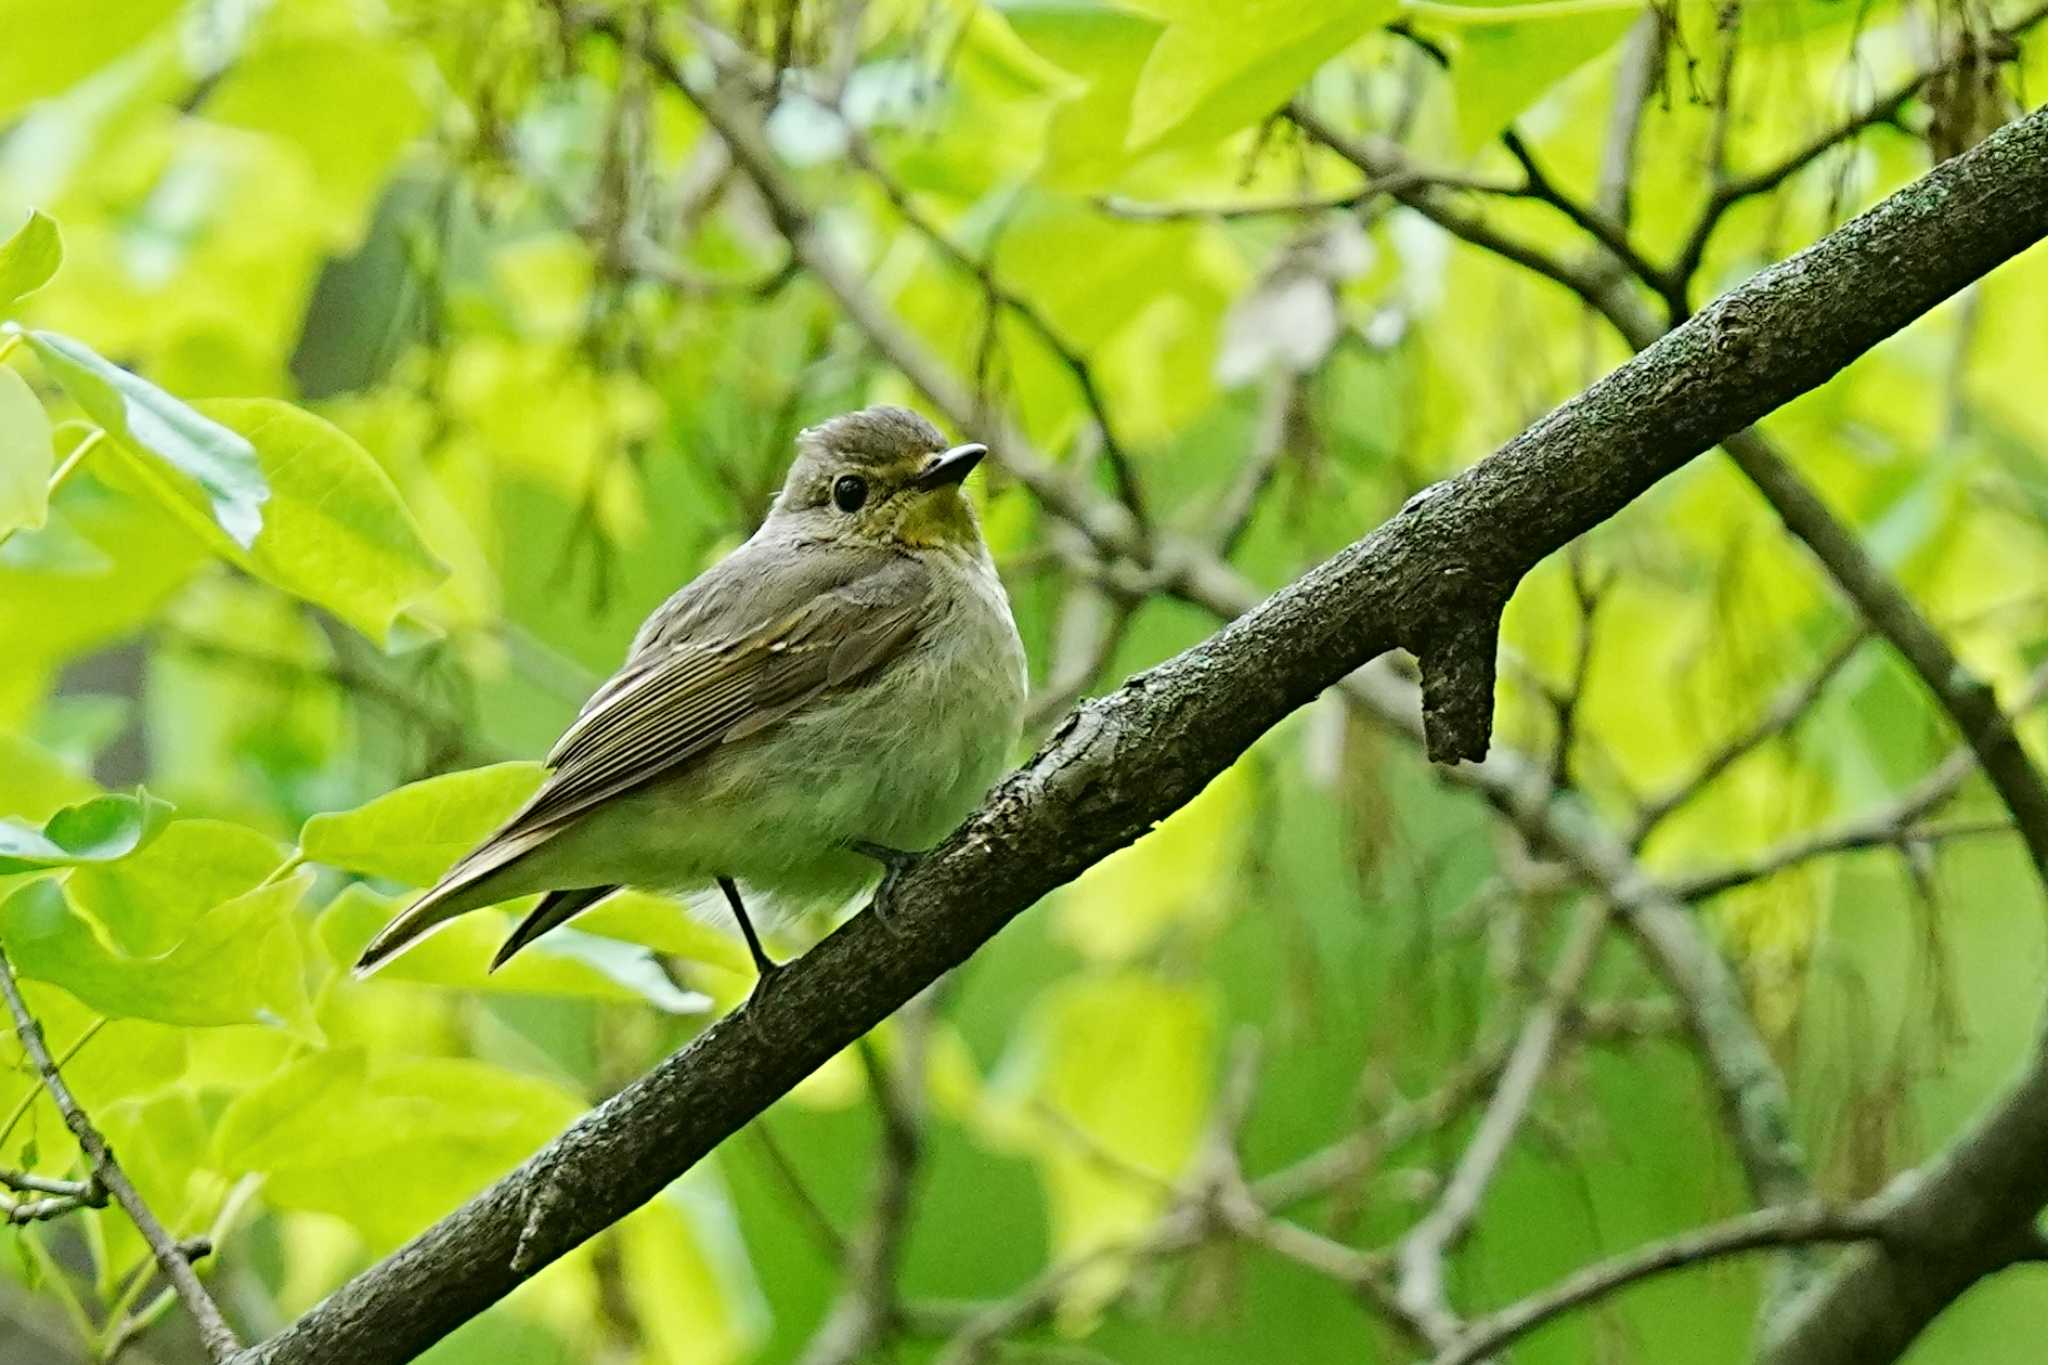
(373, 367)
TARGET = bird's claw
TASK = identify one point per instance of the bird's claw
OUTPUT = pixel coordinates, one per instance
(895, 862)
(750, 1009)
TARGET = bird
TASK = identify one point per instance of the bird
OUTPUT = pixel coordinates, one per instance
(835, 694)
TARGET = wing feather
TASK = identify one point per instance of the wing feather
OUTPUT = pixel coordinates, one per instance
(679, 698)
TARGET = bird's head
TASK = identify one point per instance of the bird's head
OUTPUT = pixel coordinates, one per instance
(882, 476)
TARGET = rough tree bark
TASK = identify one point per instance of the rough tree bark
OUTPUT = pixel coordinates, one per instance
(1433, 579)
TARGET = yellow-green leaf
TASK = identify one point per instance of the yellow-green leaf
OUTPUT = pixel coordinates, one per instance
(335, 530)
(240, 964)
(26, 455)
(94, 831)
(1503, 62)
(1124, 1061)
(347, 102)
(148, 902)
(29, 258)
(414, 834)
(686, 1269)
(434, 1130)
(178, 447)
(563, 962)
(1222, 64)
(49, 47)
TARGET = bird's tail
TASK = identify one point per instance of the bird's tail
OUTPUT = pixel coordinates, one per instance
(470, 885)
(556, 907)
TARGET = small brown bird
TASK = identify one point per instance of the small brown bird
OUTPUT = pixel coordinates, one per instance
(844, 686)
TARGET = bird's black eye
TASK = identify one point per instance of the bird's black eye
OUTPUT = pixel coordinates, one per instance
(849, 491)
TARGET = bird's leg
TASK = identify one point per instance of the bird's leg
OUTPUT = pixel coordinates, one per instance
(767, 966)
(895, 862)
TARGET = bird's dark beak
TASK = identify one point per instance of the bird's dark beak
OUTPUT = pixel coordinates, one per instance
(949, 466)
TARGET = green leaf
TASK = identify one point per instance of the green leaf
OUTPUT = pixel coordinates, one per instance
(29, 258)
(50, 47)
(667, 926)
(1181, 878)
(149, 422)
(335, 530)
(562, 963)
(349, 103)
(1104, 50)
(434, 1130)
(240, 964)
(414, 834)
(1502, 63)
(26, 455)
(1124, 1060)
(692, 1286)
(149, 901)
(1222, 64)
(35, 783)
(95, 831)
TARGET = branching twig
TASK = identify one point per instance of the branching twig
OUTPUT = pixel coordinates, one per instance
(1786, 711)
(107, 1174)
(1421, 1258)
(1727, 193)
(1798, 1225)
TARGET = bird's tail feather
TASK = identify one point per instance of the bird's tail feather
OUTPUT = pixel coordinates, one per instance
(470, 885)
(555, 908)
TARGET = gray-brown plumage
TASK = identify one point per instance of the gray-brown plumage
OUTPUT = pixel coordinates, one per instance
(851, 675)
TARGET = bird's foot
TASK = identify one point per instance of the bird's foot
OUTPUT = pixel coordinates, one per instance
(895, 862)
(764, 985)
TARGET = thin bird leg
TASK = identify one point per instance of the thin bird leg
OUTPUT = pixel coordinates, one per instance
(764, 964)
(895, 862)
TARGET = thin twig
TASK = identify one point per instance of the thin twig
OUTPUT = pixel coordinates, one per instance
(1798, 1225)
(1635, 80)
(1610, 234)
(1787, 710)
(1422, 1251)
(1729, 192)
(866, 1309)
(1408, 178)
(214, 1332)
(64, 471)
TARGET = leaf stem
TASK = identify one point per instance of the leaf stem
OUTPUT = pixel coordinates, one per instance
(71, 461)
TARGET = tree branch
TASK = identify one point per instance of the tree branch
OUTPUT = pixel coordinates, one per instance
(1798, 1225)
(1120, 763)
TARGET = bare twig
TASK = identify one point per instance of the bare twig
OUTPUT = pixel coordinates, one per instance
(1729, 192)
(1421, 1257)
(1407, 179)
(1636, 79)
(1610, 234)
(1797, 1225)
(219, 1339)
(1787, 710)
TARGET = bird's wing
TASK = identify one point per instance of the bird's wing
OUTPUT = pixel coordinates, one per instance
(700, 677)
